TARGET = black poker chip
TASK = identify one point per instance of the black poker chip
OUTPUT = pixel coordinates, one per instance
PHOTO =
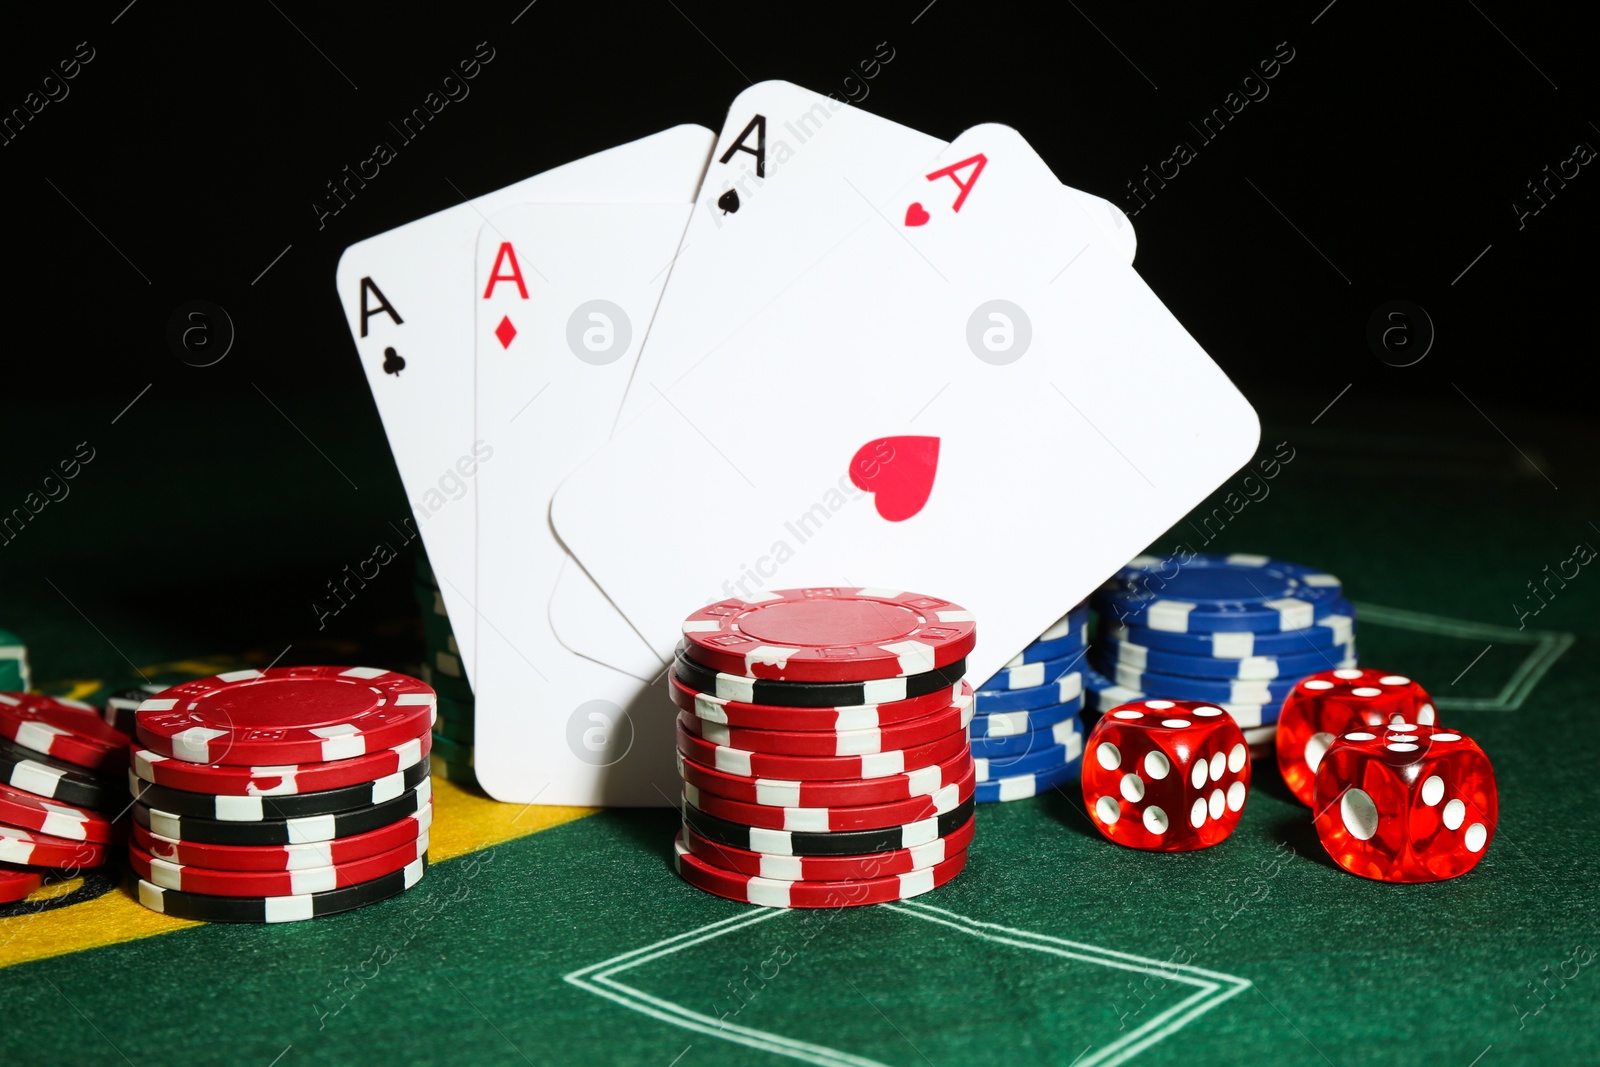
(45, 776)
(837, 843)
(284, 806)
(704, 679)
(219, 909)
(283, 831)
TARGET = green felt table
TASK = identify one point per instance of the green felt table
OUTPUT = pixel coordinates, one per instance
(578, 943)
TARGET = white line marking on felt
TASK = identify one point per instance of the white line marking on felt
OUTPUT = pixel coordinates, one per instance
(1211, 987)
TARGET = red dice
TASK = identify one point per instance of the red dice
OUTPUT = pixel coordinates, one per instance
(1323, 706)
(1405, 803)
(1166, 775)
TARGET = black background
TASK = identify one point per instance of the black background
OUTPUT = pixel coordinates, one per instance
(189, 152)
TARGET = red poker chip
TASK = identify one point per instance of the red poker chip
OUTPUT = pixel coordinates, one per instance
(829, 635)
(838, 893)
(46, 850)
(219, 883)
(776, 792)
(770, 717)
(45, 816)
(818, 768)
(830, 868)
(829, 820)
(307, 856)
(221, 779)
(909, 734)
(66, 729)
(16, 883)
(286, 715)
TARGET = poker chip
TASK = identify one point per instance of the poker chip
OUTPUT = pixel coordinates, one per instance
(287, 806)
(46, 777)
(286, 715)
(120, 706)
(273, 883)
(68, 730)
(817, 768)
(1056, 648)
(823, 746)
(278, 909)
(830, 868)
(29, 812)
(1011, 723)
(775, 792)
(1337, 628)
(908, 734)
(453, 752)
(1033, 675)
(283, 831)
(45, 850)
(1022, 786)
(17, 882)
(230, 780)
(1177, 687)
(992, 769)
(829, 635)
(456, 688)
(457, 773)
(307, 855)
(772, 893)
(1062, 689)
(704, 679)
(1019, 744)
(772, 717)
(14, 674)
(1105, 694)
(1208, 594)
(1125, 655)
(846, 843)
(832, 820)
(461, 731)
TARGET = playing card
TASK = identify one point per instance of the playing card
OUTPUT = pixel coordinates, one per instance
(901, 414)
(564, 296)
(405, 295)
(788, 178)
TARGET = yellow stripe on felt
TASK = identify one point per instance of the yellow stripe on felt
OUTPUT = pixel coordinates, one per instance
(106, 920)
(463, 821)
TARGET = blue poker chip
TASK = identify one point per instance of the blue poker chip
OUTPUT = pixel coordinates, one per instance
(1128, 656)
(1054, 648)
(1221, 691)
(1011, 723)
(1045, 759)
(1022, 786)
(1337, 628)
(1061, 733)
(1102, 695)
(1063, 689)
(1210, 594)
(1033, 675)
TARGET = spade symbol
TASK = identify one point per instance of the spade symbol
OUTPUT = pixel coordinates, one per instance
(393, 362)
(729, 201)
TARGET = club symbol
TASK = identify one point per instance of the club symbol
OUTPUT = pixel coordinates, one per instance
(729, 201)
(393, 362)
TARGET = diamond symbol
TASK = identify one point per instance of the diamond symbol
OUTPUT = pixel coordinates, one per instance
(505, 331)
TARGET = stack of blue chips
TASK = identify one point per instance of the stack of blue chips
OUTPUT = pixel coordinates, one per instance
(1237, 631)
(1026, 733)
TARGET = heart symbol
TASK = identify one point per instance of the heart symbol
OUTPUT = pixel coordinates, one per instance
(916, 214)
(898, 471)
